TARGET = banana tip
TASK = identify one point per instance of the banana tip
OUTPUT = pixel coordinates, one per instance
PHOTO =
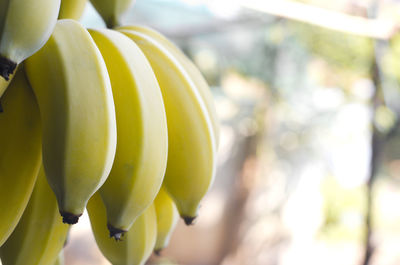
(189, 220)
(70, 218)
(7, 67)
(116, 233)
(157, 252)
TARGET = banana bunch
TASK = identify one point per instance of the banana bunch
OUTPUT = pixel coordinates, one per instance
(118, 121)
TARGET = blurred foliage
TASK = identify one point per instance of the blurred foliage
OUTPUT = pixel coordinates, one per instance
(343, 209)
(344, 52)
(390, 60)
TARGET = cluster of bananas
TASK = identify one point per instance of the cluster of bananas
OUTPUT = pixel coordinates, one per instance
(116, 121)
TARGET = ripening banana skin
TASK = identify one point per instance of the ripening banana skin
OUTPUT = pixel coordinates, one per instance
(191, 141)
(20, 157)
(137, 244)
(25, 26)
(142, 146)
(40, 235)
(112, 10)
(194, 73)
(71, 82)
(167, 219)
(72, 9)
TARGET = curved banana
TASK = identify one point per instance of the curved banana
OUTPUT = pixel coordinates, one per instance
(40, 235)
(20, 155)
(112, 10)
(25, 26)
(71, 83)
(136, 245)
(72, 9)
(142, 146)
(167, 219)
(191, 141)
(192, 70)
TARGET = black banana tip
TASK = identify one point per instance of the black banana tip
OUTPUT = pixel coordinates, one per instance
(70, 218)
(116, 233)
(189, 220)
(7, 67)
(157, 252)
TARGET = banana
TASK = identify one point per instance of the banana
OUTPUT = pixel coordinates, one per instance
(192, 70)
(167, 219)
(137, 244)
(20, 157)
(25, 26)
(40, 235)
(71, 82)
(112, 10)
(72, 9)
(191, 141)
(142, 147)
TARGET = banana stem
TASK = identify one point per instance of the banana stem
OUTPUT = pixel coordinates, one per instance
(7, 67)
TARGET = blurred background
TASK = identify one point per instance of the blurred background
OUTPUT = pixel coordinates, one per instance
(308, 95)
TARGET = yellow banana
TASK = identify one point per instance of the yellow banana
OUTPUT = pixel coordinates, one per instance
(72, 9)
(167, 219)
(191, 141)
(142, 145)
(136, 245)
(25, 26)
(40, 235)
(194, 73)
(71, 83)
(112, 10)
(20, 155)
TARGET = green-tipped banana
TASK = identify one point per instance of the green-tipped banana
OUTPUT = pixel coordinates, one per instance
(167, 219)
(71, 83)
(20, 151)
(72, 9)
(194, 73)
(142, 145)
(25, 26)
(112, 10)
(136, 245)
(40, 235)
(191, 141)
